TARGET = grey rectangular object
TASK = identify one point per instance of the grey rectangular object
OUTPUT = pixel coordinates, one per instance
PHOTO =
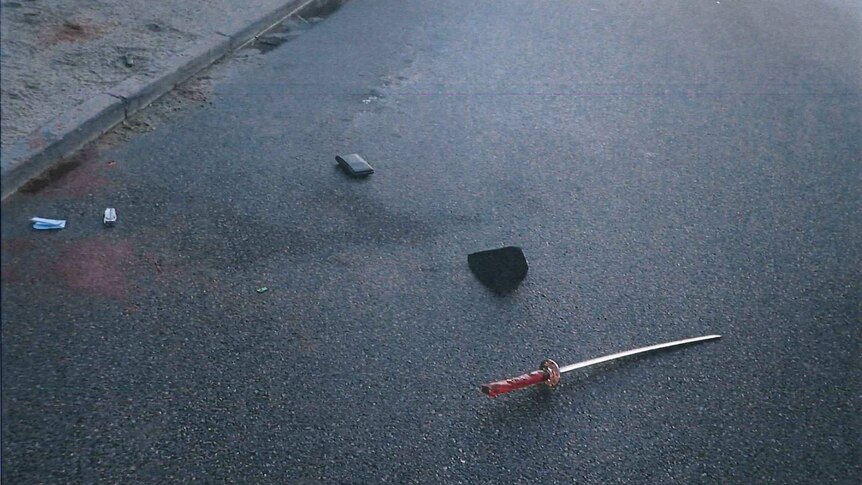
(354, 165)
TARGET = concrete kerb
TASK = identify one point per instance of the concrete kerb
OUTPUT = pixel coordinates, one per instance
(137, 93)
(71, 130)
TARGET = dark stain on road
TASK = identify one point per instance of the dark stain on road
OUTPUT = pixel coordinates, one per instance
(55, 173)
(75, 176)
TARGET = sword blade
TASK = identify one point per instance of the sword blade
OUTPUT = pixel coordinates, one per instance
(620, 355)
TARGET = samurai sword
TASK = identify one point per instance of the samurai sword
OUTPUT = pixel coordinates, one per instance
(549, 372)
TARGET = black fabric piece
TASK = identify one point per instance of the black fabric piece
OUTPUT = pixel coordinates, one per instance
(501, 270)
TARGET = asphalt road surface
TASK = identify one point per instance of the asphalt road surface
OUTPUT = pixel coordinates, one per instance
(671, 169)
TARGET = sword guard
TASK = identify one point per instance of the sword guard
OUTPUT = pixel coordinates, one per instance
(553, 370)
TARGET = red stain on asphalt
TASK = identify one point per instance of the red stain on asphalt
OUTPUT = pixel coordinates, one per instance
(73, 177)
(8, 274)
(131, 308)
(162, 269)
(12, 247)
(97, 266)
(11, 250)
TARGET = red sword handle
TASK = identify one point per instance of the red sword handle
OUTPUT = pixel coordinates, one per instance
(549, 372)
(494, 389)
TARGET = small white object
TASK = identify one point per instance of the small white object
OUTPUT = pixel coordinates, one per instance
(110, 216)
(41, 223)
